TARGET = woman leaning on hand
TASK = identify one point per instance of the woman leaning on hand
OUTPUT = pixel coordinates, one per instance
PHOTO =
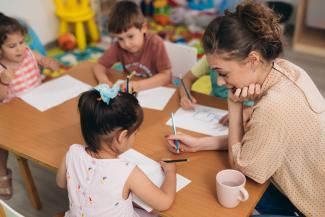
(284, 140)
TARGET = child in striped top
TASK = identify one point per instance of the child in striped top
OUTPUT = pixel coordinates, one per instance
(19, 69)
(18, 72)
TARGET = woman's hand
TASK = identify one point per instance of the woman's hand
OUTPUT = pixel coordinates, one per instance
(186, 103)
(187, 143)
(238, 95)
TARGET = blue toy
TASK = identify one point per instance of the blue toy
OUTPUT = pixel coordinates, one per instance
(200, 4)
(32, 40)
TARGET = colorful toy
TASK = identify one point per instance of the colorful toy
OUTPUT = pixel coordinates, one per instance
(67, 41)
(161, 12)
(53, 74)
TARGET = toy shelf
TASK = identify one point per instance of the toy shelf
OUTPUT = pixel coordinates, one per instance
(306, 39)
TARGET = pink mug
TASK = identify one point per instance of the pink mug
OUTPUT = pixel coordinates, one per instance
(230, 188)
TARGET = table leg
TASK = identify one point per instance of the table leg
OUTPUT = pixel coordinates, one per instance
(29, 182)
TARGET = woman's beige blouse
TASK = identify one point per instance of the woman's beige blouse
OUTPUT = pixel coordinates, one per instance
(285, 138)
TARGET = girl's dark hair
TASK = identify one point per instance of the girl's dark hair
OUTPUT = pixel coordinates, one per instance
(252, 27)
(99, 121)
(125, 15)
(9, 25)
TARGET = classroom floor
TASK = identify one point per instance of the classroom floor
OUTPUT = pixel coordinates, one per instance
(55, 200)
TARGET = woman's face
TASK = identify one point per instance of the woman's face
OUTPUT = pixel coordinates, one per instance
(232, 73)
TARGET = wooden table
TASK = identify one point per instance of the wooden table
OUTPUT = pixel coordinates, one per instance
(44, 137)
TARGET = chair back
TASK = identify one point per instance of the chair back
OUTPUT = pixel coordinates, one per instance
(182, 58)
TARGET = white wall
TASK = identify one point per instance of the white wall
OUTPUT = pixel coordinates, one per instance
(39, 14)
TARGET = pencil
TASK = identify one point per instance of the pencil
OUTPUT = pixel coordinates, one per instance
(177, 160)
(5, 67)
(174, 130)
(186, 91)
(127, 84)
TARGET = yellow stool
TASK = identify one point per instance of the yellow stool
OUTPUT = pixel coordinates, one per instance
(77, 12)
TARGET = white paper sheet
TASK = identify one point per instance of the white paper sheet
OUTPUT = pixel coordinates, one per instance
(54, 92)
(155, 98)
(154, 172)
(203, 119)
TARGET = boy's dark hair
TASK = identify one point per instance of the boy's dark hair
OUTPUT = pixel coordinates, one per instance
(123, 16)
(99, 121)
(252, 27)
(9, 25)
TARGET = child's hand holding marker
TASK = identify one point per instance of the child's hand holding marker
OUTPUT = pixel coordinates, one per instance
(168, 167)
(186, 100)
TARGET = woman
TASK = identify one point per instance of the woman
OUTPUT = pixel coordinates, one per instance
(284, 140)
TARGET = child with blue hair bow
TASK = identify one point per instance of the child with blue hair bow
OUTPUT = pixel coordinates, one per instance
(99, 183)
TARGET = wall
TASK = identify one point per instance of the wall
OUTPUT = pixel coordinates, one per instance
(39, 14)
(41, 17)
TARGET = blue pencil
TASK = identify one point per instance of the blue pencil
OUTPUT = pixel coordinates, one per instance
(174, 130)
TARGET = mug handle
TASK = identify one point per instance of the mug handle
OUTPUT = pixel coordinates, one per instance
(243, 194)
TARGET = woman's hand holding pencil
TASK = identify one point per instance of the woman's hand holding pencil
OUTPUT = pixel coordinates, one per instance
(187, 143)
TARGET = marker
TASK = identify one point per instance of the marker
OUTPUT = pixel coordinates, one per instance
(174, 130)
(186, 91)
(177, 160)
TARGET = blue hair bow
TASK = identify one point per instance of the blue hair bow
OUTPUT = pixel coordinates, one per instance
(107, 93)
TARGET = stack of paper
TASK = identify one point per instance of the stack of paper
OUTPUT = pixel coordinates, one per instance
(154, 172)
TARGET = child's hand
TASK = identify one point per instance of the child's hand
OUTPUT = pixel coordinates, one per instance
(6, 76)
(186, 103)
(168, 167)
(239, 95)
(50, 63)
(54, 65)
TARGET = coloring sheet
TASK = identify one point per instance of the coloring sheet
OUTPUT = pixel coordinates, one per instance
(203, 119)
(154, 172)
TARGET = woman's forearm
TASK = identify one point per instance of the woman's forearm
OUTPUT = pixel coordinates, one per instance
(236, 129)
(213, 143)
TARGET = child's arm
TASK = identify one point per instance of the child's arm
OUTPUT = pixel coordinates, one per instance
(160, 79)
(101, 75)
(46, 62)
(158, 198)
(61, 179)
